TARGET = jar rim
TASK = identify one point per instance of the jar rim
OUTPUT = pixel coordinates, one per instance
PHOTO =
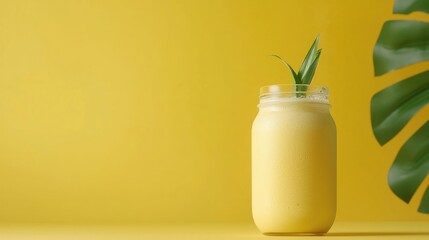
(294, 92)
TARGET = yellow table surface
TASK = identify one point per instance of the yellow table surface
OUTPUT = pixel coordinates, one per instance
(340, 230)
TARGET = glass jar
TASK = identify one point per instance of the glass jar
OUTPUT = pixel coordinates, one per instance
(294, 150)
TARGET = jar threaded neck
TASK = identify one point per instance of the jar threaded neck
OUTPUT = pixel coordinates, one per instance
(294, 93)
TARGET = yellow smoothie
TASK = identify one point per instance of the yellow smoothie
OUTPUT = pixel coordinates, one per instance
(293, 166)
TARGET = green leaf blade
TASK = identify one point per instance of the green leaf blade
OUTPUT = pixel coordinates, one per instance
(401, 43)
(409, 6)
(424, 205)
(309, 58)
(411, 166)
(295, 76)
(393, 107)
(308, 77)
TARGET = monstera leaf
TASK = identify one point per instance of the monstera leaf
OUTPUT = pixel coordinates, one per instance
(400, 44)
(406, 6)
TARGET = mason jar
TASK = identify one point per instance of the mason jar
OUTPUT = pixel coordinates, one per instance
(294, 150)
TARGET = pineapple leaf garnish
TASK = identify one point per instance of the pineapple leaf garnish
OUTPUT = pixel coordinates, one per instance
(308, 66)
(309, 58)
(295, 76)
(308, 75)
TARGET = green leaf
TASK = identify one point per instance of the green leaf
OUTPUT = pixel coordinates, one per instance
(301, 91)
(424, 205)
(411, 165)
(296, 79)
(309, 58)
(409, 6)
(306, 79)
(393, 107)
(401, 43)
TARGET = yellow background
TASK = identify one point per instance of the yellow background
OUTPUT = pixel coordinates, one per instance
(140, 111)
